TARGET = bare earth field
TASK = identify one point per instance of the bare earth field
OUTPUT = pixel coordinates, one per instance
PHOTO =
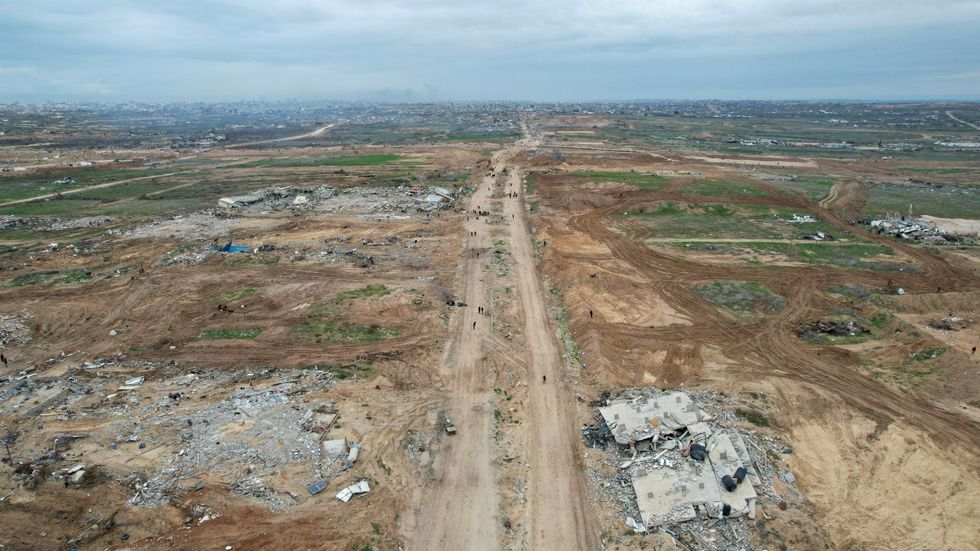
(165, 391)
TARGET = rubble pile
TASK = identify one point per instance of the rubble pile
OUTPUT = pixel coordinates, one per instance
(910, 230)
(949, 323)
(14, 328)
(830, 327)
(79, 223)
(201, 225)
(682, 463)
(371, 200)
(9, 222)
(247, 439)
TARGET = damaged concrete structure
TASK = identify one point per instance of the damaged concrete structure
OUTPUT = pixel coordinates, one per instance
(691, 469)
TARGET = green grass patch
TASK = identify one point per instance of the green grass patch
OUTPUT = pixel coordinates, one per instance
(928, 354)
(341, 332)
(367, 159)
(324, 327)
(364, 292)
(741, 296)
(939, 170)
(672, 219)
(239, 294)
(714, 188)
(846, 255)
(879, 319)
(239, 334)
(31, 279)
(76, 276)
(752, 416)
(645, 181)
(942, 200)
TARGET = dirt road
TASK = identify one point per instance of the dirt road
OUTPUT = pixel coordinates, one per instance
(461, 512)
(313, 134)
(961, 121)
(84, 189)
(559, 516)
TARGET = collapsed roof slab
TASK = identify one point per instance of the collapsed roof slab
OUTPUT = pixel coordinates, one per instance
(725, 460)
(643, 418)
(669, 495)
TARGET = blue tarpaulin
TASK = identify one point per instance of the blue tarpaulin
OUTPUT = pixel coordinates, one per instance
(229, 248)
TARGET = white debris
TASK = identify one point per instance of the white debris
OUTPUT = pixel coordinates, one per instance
(352, 490)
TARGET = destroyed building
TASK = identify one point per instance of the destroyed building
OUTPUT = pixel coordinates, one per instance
(683, 466)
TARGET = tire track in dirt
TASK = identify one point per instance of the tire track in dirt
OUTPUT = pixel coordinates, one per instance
(559, 515)
(460, 512)
(772, 345)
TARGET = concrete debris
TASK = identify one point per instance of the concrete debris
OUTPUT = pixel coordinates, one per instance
(354, 489)
(685, 464)
(247, 439)
(642, 418)
(830, 327)
(83, 222)
(636, 526)
(950, 323)
(14, 329)
(911, 229)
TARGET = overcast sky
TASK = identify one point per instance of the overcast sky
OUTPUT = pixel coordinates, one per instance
(217, 50)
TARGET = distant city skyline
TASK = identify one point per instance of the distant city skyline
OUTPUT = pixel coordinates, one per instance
(440, 50)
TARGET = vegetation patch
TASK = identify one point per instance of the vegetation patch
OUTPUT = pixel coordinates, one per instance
(645, 181)
(340, 332)
(741, 296)
(368, 159)
(713, 188)
(324, 327)
(928, 354)
(752, 416)
(846, 255)
(673, 219)
(363, 292)
(239, 294)
(31, 279)
(239, 334)
(942, 200)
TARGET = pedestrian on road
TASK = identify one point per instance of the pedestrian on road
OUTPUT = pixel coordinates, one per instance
(974, 351)
(474, 325)
(590, 314)
(544, 378)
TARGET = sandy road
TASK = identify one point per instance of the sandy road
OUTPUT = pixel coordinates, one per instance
(961, 121)
(559, 516)
(461, 512)
(313, 134)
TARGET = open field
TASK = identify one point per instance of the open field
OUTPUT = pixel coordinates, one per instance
(248, 310)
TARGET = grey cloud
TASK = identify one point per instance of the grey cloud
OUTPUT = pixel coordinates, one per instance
(574, 49)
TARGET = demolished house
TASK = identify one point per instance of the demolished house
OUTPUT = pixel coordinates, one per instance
(683, 466)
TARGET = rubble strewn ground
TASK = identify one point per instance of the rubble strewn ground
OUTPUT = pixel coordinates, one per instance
(282, 368)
